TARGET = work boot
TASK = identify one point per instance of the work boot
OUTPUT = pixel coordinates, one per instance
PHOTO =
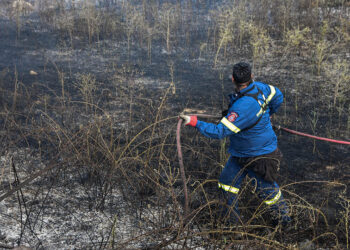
(285, 220)
(280, 213)
(282, 219)
(230, 216)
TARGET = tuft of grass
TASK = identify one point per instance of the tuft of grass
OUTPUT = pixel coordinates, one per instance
(260, 42)
(86, 85)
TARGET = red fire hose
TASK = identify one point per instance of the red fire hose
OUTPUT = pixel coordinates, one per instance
(179, 153)
(310, 136)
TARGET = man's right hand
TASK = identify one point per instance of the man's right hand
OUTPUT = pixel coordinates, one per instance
(190, 120)
(224, 113)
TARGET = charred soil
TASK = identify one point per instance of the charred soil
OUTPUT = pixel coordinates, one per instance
(93, 93)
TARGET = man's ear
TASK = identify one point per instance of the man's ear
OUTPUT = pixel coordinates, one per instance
(233, 80)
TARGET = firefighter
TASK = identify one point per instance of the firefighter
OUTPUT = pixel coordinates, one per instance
(253, 143)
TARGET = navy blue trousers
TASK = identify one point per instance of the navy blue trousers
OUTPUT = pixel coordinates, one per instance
(230, 182)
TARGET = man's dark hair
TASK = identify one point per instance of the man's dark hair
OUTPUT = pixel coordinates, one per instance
(242, 72)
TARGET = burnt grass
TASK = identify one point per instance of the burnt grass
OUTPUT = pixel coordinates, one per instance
(115, 181)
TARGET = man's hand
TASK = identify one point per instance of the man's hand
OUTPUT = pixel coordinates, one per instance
(224, 113)
(190, 120)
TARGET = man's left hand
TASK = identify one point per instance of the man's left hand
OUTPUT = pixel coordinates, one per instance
(190, 120)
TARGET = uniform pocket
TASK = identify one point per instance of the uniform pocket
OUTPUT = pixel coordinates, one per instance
(266, 166)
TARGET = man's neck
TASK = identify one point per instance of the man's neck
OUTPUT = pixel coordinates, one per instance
(241, 87)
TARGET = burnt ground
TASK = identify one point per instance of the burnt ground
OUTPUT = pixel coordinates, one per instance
(62, 206)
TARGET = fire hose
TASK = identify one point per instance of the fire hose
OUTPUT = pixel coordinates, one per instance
(180, 157)
(179, 153)
(310, 136)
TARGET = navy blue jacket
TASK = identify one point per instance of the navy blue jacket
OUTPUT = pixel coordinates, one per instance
(242, 114)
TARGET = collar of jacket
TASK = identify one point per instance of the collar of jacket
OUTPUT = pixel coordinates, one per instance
(247, 89)
(239, 94)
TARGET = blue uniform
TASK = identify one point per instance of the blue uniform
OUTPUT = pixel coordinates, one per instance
(249, 128)
(244, 112)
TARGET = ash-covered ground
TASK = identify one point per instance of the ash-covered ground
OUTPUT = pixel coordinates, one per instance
(89, 111)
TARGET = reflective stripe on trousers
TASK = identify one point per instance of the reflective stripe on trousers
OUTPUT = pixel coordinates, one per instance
(228, 188)
(274, 199)
(236, 190)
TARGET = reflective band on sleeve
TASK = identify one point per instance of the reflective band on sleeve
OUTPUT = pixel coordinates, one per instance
(274, 200)
(272, 94)
(228, 188)
(269, 98)
(230, 125)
